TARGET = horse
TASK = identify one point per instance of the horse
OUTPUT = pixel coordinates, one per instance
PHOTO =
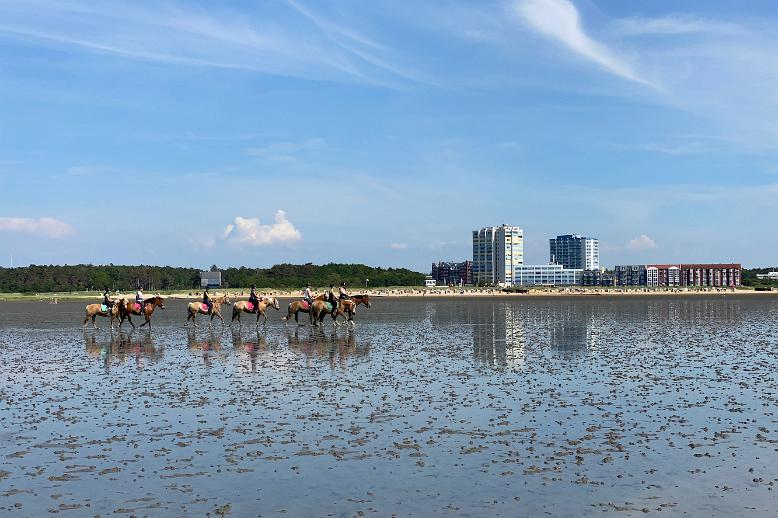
(295, 307)
(361, 299)
(259, 309)
(199, 307)
(345, 308)
(95, 310)
(320, 309)
(132, 308)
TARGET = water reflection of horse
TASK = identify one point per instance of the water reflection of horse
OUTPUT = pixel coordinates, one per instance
(314, 343)
(243, 306)
(251, 346)
(127, 309)
(122, 346)
(196, 308)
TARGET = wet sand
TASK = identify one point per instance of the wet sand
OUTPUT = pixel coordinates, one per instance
(452, 406)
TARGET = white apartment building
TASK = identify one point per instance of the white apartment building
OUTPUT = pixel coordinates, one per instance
(546, 275)
(496, 252)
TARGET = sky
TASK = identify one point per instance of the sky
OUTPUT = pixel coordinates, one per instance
(255, 133)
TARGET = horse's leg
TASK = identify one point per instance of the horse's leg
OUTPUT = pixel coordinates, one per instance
(94, 326)
(86, 319)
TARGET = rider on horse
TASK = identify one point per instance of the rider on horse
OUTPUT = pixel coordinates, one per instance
(343, 293)
(253, 299)
(107, 300)
(139, 298)
(207, 300)
(308, 295)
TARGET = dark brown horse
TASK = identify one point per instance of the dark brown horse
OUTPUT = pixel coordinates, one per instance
(347, 309)
(297, 306)
(129, 308)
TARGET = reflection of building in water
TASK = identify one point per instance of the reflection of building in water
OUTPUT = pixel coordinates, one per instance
(498, 337)
(122, 347)
(570, 325)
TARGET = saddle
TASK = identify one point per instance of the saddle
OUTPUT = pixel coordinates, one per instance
(204, 306)
(328, 306)
(104, 308)
(137, 307)
(250, 306)
(304, 304)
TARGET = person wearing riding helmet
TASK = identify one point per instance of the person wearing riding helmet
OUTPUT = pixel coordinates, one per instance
(207, 300)
(331, 297)
(107, 300)
(253, 299)
(343, 293)
(308, 295)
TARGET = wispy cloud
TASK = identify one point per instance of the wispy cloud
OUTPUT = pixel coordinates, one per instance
(267, 41)
(642, 242)
(46, 227)
(398, 246)
(560, 21)
(250, 232)
(673, 25)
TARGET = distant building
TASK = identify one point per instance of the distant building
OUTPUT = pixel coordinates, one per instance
(698, 275)
(630, 275)
(429, 282)
(597, 278)
(769, 276)
(575, 251)
(452, 273)
(496, 252)
(210, 279)
(546, 275)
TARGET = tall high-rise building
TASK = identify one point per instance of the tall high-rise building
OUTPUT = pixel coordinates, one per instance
(575, 251)
(496, 251)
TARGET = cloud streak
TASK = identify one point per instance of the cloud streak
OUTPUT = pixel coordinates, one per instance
(45, 227)
(642, 242)
(559, 20)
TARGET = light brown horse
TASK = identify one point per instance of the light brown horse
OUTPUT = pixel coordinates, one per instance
(320, 309)
(129, 308)
(295, 307)
(243, 306)
(96, 310)
(199, 307)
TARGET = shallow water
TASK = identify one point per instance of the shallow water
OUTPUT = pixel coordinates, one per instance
(516, 407)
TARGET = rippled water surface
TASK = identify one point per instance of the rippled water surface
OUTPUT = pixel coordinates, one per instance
(513, 407)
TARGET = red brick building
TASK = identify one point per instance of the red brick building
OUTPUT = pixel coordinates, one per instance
(724, 275)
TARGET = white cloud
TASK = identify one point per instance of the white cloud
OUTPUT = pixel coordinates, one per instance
(398, 246)
(250, 232)
(47, 227)
(560, 21)
(642, 242)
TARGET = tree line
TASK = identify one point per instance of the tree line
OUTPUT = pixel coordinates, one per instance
(85, 277)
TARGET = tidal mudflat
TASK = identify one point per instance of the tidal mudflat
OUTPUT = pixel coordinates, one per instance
(509, 407)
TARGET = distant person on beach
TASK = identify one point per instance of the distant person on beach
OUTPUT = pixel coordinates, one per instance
(139, 298)
(207, 301)
(343, 293)
(308, 295)
(253, 297)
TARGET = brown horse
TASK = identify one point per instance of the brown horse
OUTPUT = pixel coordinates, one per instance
(199, 307)
(347, 309)
(95, 310)
(321, 307)
(243, 306)
(361, 299)
(129, 308)
(295, 307)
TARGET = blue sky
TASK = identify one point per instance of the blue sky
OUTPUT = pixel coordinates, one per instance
(243, 133)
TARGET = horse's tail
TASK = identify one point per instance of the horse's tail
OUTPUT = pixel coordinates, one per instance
(235, 311)
(289, 312)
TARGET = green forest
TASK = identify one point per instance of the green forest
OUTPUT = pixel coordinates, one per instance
(82, 277)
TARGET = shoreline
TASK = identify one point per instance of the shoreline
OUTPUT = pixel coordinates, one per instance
(398, 293)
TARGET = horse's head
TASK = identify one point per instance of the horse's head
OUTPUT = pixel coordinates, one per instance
(226, 299)
(367, 300)
(159, 301)
(273, 302)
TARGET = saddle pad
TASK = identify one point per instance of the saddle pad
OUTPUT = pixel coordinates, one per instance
(103, 308)
(304, 304)
(250, 306)
(328, 306)
(204, 306)
(136, 307)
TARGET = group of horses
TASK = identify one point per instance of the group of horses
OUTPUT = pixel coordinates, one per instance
(123, 309)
